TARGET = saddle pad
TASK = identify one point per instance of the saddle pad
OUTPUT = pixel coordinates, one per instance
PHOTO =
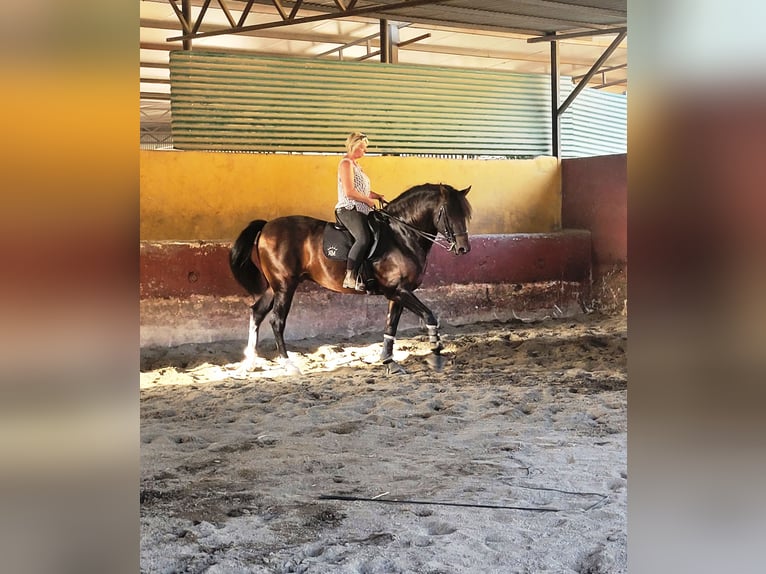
(336, 242)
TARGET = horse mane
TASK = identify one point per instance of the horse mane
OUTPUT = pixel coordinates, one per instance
(414, 198)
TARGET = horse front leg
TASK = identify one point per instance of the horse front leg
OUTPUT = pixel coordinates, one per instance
(415, 305)
(410, 302)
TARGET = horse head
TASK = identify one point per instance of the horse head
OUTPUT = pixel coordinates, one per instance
(453, 216)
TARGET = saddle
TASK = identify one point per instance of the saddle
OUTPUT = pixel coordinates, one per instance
(337, 241)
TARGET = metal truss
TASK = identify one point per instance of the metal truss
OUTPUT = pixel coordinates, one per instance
(343, 9)
(155, 125)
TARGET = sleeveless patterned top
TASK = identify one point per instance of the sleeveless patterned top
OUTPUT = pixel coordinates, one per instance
(361, 184)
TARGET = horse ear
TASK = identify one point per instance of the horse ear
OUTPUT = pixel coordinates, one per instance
(466, 190)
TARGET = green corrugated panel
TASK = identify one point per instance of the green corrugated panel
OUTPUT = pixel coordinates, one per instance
(253, 103)
(595, 124)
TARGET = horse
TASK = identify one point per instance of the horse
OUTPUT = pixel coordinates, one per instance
(270, 258)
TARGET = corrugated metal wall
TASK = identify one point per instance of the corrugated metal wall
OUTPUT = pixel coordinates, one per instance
(594, 124)
(253, 103)
(236, 102)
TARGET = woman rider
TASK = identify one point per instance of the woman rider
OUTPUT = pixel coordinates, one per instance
(355, 201)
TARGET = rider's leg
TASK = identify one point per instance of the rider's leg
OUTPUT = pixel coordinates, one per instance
(356, 223)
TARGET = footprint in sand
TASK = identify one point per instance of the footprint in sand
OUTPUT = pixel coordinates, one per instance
(314, 550)
(378, 566)
(439, 528)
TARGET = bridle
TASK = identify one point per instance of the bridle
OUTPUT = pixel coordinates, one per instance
(448, 231)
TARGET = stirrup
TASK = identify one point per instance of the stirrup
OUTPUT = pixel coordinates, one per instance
(355, 284)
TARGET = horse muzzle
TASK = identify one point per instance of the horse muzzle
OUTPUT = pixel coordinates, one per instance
(461, 246)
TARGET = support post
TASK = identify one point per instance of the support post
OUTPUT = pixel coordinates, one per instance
(389, 42)
(385, 42)
(393, 55)
(186, 11)
(555, 117)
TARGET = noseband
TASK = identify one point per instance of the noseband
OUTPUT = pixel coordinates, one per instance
(448, 232)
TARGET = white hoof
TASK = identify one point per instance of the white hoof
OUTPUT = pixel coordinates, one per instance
(289, 367)
(252, 362)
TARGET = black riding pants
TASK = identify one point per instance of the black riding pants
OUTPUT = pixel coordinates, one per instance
(356, 223)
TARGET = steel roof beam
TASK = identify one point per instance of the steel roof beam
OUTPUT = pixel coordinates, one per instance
(359, 41)
(602, 70)
(623, 82)
(572, 35)
(586, 78)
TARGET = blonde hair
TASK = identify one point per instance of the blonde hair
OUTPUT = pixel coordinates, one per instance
(354, 140)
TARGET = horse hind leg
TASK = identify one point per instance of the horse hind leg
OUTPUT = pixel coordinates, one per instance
(283, 300)
(259, 310)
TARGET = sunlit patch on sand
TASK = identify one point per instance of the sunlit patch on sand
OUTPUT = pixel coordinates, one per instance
(325, 359)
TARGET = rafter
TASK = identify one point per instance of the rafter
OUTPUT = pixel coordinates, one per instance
(295, 9)
(180, 15)
(226, 11)
(572, 35)
(622, 82)
(200, 16)
(280, 9)
(601, 71)
(245, 13)
(359, 41)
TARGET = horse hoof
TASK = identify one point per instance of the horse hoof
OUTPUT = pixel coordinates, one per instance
(289, 367)
(248, 365)
(394, 368)
(436, 362)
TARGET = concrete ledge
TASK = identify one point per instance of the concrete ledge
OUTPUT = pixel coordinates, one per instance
(317, 312)
(515, 258)
(188, 294)
(182, 269)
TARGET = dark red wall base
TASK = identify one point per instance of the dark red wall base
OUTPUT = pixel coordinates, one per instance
(181, 269)
(188, 294)
(595, 197)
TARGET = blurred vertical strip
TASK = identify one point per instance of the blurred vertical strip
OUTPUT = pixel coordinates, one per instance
(68, 298)
(697, 248)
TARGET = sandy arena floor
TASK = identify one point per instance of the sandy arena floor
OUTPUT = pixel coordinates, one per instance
(513, 459)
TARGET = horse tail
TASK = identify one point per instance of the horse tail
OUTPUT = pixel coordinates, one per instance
(242, 267)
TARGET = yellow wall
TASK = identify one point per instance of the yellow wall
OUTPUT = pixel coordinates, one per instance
(203, 195)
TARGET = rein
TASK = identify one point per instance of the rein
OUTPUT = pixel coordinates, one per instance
(433, 238)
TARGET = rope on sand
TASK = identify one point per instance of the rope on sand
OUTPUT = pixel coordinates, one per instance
(437, 503)
(378, 498)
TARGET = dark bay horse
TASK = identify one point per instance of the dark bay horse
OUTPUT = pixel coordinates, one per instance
(270, 258)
